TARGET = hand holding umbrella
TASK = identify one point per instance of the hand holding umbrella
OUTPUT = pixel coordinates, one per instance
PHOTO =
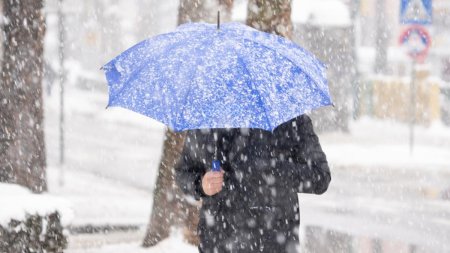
(212, 182)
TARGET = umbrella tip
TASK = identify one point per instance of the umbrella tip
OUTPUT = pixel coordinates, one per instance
(218, 20)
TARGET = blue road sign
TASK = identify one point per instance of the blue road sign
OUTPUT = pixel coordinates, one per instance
(416, 12)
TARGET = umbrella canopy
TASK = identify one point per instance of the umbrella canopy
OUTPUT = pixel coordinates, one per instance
(202, 77)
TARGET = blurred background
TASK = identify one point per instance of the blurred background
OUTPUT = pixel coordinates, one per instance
(387, 138)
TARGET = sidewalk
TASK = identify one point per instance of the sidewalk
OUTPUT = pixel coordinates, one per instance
(385, 144)
(99, 201)
(125, 243)
(384, 204)
(379, 190)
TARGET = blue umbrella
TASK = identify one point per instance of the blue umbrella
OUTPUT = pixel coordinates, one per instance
(199, 76)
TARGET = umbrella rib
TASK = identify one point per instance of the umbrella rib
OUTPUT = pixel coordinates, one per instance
(152, 40)
(287, 58)
(252, 88)
(146, 62)
(311, 69)
(189, 91)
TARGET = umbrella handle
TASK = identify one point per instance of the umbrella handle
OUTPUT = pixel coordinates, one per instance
(215, 166)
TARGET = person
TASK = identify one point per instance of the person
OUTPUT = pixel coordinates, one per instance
(251, 205)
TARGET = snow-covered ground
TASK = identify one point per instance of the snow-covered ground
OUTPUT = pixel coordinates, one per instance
(16, 202)
(378, 190)
(128, 243)
(374, 143)
(100, 201)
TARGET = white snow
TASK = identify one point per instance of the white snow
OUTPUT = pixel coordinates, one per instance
(239, 12)
(323, 12)
(173, 244)
(366, 58)
(377, 143)
(101, 201)
(315, 12)
(16, 202)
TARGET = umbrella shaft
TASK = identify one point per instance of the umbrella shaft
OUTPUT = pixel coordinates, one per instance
(218, 20)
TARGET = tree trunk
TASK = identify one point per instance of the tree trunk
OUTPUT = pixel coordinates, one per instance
(22, 147)
(166, 201)
(170, 208)
(270, 16)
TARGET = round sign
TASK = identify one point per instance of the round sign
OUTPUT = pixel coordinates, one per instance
(417, 42)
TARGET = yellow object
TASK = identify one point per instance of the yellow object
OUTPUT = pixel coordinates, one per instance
(389, 97)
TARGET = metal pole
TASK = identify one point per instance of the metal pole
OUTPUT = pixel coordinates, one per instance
(355, 6)
(381, 37)
(61, 85)
(412, 107)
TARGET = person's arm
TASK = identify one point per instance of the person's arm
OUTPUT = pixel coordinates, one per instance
(308, 171)
(188, 171)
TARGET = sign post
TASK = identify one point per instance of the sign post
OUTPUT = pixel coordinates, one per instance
(412, 108)
(417, 41)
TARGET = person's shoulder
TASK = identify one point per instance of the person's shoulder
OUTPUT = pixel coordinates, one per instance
(304, 118)
(297, 121)
(302, 124)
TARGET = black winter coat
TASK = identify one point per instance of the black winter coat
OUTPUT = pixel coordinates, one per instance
(257, 209)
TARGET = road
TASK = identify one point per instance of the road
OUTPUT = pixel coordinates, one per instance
(392, 206)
